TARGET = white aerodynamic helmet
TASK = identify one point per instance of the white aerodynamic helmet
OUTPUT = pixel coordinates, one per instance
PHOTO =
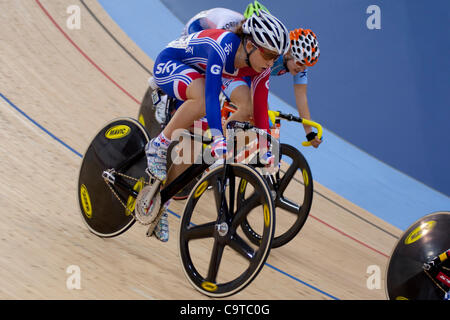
(267, 32)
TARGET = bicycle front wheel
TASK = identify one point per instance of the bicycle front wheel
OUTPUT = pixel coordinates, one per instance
(216, 257)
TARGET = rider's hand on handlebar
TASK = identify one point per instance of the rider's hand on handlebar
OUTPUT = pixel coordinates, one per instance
(312, 137)
(219, 147)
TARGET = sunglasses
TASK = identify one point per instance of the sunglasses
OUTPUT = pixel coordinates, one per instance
(266, 54)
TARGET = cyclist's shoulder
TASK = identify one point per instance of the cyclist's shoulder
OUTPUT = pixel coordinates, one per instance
(219, 39)
(216, 34)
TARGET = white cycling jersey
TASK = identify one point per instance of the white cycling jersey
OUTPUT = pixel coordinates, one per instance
(216, 18)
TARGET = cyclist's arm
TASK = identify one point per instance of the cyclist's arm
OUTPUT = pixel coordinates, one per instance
(213, 83)
(220, 57)
(301, 101)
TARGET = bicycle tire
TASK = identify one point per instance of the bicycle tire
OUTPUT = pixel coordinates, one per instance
(405, 277)
(101, 211)
(214, 284)
(300, 210)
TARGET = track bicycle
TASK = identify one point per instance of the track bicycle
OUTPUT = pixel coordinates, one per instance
(293, 209)
(113, 172)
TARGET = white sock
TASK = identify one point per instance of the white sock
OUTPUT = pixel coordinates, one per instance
(162, 140)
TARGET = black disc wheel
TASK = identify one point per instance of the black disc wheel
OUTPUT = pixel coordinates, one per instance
(217, 258)
(406, 278)
(292, 191)
(120, 146)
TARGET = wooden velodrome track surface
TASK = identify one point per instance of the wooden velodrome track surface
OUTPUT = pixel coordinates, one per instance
(58, 88)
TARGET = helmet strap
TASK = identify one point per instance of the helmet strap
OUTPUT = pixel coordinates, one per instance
(247, 59)
(285, 61)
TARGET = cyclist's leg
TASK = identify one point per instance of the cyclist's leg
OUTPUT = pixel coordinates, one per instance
(193, 107)
(183, 156)
(182, 82)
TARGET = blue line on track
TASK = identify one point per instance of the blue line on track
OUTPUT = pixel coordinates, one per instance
(279, 270)
(301, 281)
(176, 215)
(41, 127)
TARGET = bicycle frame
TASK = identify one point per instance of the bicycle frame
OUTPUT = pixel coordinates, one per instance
(182, 180)
(196, 169)
(168, 191)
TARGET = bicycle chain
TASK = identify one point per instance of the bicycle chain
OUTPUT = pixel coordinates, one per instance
(120, 200)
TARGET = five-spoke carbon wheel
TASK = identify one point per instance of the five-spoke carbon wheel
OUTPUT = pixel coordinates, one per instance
(217, 258)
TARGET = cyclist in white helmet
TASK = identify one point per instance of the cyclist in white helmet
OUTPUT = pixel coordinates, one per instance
(216, 18)
(192, 70)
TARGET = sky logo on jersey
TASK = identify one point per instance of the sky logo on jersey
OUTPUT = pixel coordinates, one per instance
(168, 67)
(190, 50)
(216, 69)
(228, 48)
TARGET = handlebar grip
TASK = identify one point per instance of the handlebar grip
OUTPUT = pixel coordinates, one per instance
(239, 125)
(315, 125)
(273, 115)
(248, 127)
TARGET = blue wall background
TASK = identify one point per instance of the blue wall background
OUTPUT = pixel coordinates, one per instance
(386, 91)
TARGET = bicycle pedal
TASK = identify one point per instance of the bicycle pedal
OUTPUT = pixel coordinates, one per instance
(147, 201)
(153, 225)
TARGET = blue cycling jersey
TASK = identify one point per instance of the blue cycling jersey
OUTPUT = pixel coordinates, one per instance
(210, 53)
